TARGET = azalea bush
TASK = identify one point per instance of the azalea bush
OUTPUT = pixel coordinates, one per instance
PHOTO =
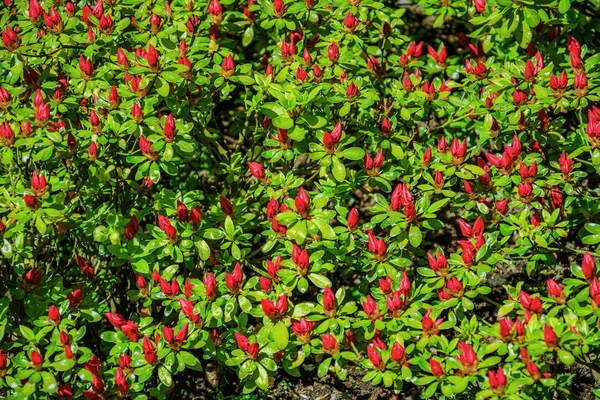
(245, 193)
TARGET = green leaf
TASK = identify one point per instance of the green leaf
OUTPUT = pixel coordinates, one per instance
(353, 153)
(531, 17)
(283, 122)
(64, 364)
(565, 357)
(298, 232)
(229, 226)
(326, 230)
(344, 110)
(338, 169)
(273, 110)
(564, 6)
(324, 367)
(320, 280)
(40, 225)
(281, 335)
(165, 376)
(49, 382)
(262, 380)
(248, 36)
(162, 87)
(27, 333)
(526, 35)
(414, 236)
(405, 114)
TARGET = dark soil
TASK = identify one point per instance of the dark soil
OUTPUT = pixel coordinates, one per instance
(309, 387)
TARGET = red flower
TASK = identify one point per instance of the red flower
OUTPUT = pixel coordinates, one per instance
(131, 330)
(329, 302)
(375, 358)
(302, 202)
(595, 292)
(149, 351)
(275, 310)
(394, 304)
(115, 319)
(550, 337)
(429, 326)
(497, 380)
(226, 206)
(244, 344)
(468, 358)
(555, 291)
(86, 68)
(302, 329)
(330, 343)
(439, 265)
(182, 212)
(588, 266)
(36, 360)
(436, 368)
(370, 308)
(10, 39)
(210, 285)
(279, 8)
(398, 354)
(227, 67)
(386, 285)
(533, 371)
(506, 326)
(64, 391)
(438, 57)
(132, 227)
(187, 308)
(352, 91)
(195, 216)
(53, 315)
(165, 225)
(121, 382)
(333, 52)
(93, 365)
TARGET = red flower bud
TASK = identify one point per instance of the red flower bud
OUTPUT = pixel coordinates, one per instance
(36, 359)
(588, 266)
(226, 206)
(53, 315)
(132, 227)
(497, 381)
(257, 170)
(468, 358)
(555, 291)
(10, 39)
(329, 302)
(302, 202)
(149, 351)
(375, 358)
(86, 68)
(302, 329)
(115, 319)
(550, 337)
(234, 280)
(210, 285)
(330, 343)
(227, 66)
(352, 219)
(279, 8)
(333, 52)
(436, 368)
(165, 225)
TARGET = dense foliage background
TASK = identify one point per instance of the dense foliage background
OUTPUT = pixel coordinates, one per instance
(200, 200)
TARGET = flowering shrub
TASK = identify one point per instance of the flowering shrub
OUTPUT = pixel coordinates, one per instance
(250, 192)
